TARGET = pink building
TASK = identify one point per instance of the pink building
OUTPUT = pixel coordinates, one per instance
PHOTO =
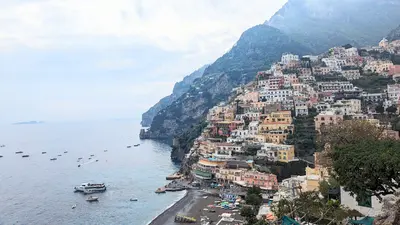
(393, 70)
(266, 181)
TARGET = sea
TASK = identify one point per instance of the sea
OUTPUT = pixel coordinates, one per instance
(36, 190)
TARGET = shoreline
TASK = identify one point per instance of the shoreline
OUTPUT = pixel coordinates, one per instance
(172, 210)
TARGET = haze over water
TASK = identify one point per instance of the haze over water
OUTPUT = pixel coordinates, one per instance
(36, 190)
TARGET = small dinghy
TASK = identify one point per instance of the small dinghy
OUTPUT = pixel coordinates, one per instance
(133, 199)
(44, 152)
(59, 155)
(66, 152)
(19, 152)
(106, 150)
(92, 199)
(79, 165)
(128, 146)
(25, 156)
(52, 159)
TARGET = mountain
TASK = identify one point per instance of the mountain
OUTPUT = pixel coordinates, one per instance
(321, 24)
(394, 34)
(256, 49)
(179, 89)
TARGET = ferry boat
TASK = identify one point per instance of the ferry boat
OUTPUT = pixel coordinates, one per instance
(88, 188)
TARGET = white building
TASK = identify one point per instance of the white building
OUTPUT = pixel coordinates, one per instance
(286, 58)
(351, 52)
(346, 107)
(273, 96)
(393, 92)
(335, 86)
(334, 63)
(321, 107)
(351, 74)
(301, 108)
(373, 97)
(369, 206)
(240, 133)
(253, 127)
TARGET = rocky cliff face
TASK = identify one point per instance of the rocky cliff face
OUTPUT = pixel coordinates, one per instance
(321, 24)
(394, 34)
(256, 49)
(179, 89)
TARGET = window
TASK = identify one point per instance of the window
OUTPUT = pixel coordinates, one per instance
(365, 202)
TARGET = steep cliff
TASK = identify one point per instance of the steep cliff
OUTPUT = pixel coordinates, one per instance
(394, 34)
(179, 89)
(256, 49)
(321, 24)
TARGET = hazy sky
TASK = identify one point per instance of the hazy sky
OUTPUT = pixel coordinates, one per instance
(65, 60)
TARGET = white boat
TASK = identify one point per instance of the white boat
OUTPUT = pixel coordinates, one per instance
(88, 188)
(92, 199)
(74, 206)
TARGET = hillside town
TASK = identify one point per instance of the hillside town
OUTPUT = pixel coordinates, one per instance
(272, 122)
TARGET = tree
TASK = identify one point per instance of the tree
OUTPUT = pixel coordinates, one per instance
(392, 109)
(249, 214)
(342, 134)
(380, 109)
(311, 208)
(368, 168)
(254, 199)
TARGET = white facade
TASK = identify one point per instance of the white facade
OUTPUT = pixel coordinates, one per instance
(253, 127)
(351, 52)
(351, 74)
(286, 58)
(334, 63)
(347, 200)
(276, 95)
(393, 92)
(347, 107)
(335, 86)
(301, 108)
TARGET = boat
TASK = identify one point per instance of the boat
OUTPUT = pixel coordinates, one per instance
(59, 155)
(66, 152)
(74, 206)
(89, 158)
(160, 191)
(106, 150)
(25, 156)
(2, 146)
(91, 155)
(184, 219)
(19, 152)
(92, 199)
(52, 159)
(44, 152)
(136, 145)
(88, 188)
(1, 156)
(128, 146)
(79, 158)
(79, 165)
(97, 160)
(174, 176)
(133, 199)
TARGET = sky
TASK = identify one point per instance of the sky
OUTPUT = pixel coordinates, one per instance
(73, 60)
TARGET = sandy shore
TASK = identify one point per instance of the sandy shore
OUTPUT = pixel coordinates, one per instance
(192, 205)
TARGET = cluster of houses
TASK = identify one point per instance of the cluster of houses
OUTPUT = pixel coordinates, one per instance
(258, 119)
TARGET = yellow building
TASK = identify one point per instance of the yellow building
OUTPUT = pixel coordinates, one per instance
(286, 153)
(281, 120)
(276, 137)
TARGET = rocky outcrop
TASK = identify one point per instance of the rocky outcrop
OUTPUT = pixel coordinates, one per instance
(256, 49)
(321, 24)
(394, 34)
(179, 89)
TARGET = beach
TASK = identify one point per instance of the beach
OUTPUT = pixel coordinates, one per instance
(193, 205)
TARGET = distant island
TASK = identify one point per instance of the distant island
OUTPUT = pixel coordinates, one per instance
(28, 122)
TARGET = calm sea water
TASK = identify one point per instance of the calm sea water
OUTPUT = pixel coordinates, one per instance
(36, 190)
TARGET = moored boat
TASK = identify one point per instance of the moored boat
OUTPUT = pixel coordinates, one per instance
(160, 190)
(92, 199)
(1, 156)
(66, 152)
(44, 152)
(174, 176)
(19, 152)
(133, 199)
(25, 156)
(136, 145)
(128, 146)
(52, 159)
